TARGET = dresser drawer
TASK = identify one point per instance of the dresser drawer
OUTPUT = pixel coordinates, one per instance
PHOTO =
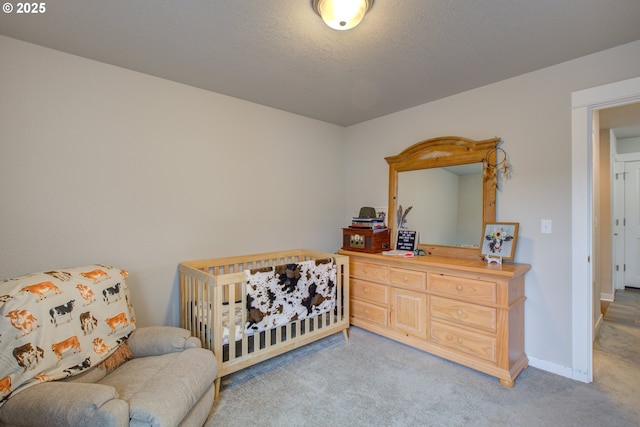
(409, 279)
(371, 313)
(464, 313)
(366, 290)
(478, 345)
(472, 289)
(378, 273)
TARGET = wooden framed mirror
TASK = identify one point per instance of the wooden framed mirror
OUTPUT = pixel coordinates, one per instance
(443, 179)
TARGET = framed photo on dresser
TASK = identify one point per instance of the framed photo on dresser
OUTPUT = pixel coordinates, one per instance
(499, 239)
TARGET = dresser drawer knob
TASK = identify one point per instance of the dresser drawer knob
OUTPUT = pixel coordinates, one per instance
(459, 340)
(458, 288)
(459, 313)
(366, 290)
(405, 278)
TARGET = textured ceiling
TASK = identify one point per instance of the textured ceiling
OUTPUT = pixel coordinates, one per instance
(279, 53)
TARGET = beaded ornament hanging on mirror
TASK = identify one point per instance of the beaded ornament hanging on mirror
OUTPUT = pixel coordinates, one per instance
(496, 164)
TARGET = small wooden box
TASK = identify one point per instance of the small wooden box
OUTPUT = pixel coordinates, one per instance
(365, 240)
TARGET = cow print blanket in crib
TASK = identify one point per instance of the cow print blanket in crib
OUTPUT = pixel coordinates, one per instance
(285, 293)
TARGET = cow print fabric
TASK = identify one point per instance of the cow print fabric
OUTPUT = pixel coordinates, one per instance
(60, 323)
(286, 293)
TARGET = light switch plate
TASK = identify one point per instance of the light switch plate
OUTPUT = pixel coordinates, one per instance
(545, 226)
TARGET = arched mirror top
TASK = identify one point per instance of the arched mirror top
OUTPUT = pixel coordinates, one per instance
(444, 152)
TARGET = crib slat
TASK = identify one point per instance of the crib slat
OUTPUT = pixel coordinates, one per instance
(230, 293)
(243, 298)
(216, 311)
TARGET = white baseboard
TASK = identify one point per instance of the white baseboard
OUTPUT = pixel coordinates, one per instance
(581, 376)
(606, 297)
(554, 368)
(596, 329)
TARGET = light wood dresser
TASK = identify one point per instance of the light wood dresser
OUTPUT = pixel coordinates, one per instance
(460, 309)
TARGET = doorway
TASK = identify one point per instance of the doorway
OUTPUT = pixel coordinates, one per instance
(620, 142)
(584, 104)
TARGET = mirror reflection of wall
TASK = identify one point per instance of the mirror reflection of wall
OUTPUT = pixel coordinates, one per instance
(447, 204)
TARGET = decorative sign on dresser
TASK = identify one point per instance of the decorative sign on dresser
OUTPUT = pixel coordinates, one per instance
(449, 302)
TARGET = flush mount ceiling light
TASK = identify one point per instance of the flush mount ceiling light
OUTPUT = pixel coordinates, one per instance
(342, 14)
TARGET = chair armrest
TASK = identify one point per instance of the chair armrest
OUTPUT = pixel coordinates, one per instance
(65, 403)
(157, 340)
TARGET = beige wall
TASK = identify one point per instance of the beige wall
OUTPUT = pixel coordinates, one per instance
(99, 164)
(628, 145)
(531, 113)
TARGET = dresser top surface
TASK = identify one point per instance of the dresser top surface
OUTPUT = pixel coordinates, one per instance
(506, 269)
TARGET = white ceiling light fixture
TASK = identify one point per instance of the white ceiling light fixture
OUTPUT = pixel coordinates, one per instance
(342, 14)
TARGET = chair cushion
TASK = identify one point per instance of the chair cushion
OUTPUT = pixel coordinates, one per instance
(60, 403)
(161, 390)
(157, 340)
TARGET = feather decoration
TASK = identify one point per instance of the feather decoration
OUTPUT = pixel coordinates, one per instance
(402, 216)
(494, 168)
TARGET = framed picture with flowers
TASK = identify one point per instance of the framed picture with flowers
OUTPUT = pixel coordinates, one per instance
(499, 239)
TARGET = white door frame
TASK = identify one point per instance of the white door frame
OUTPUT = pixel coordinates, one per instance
(583, 104)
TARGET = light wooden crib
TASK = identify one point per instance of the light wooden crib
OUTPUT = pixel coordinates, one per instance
(212, 289)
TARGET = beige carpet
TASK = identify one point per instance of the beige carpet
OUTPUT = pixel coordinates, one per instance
(374, 381)
(616, 351)
(625, 309)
